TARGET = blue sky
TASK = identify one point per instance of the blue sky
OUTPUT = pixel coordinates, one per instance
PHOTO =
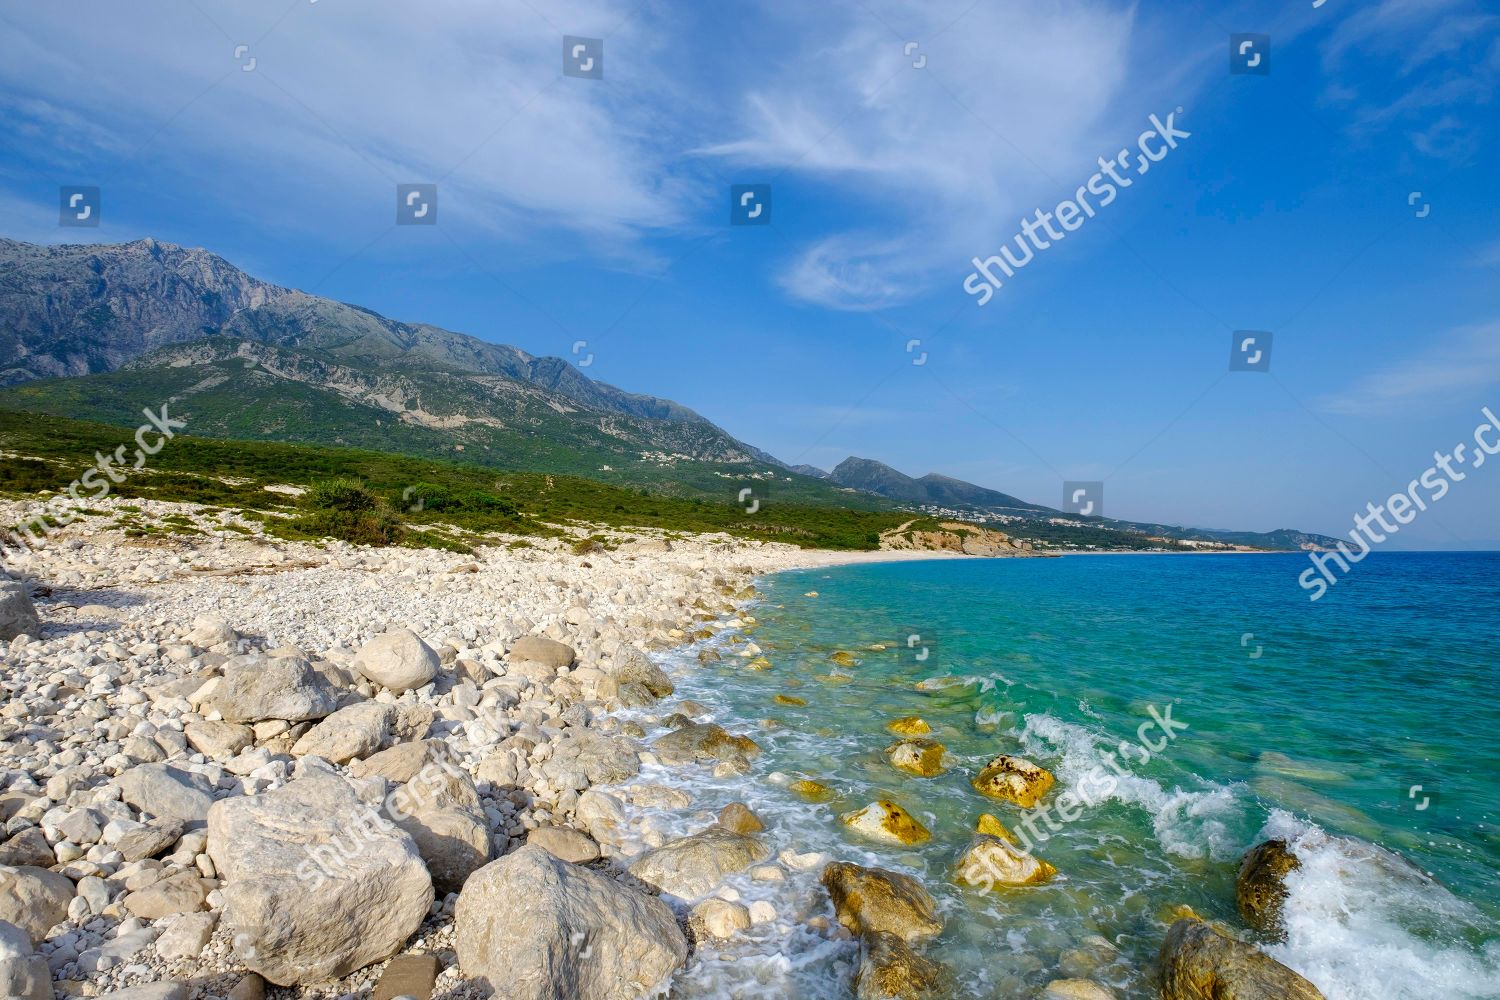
(574, 209)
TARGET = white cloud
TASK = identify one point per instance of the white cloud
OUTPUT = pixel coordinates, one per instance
(348, 98)
(1013, 103)
(1466, 360)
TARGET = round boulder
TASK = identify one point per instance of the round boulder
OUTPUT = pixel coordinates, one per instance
(398, 660)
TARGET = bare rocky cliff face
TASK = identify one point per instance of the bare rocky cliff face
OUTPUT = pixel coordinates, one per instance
(147, 321)
(77, 310)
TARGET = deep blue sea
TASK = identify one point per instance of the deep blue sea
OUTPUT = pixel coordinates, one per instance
(1364, 727)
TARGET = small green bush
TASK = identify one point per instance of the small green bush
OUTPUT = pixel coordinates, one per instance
(347, 495)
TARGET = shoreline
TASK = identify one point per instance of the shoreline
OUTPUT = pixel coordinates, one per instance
(151, 625)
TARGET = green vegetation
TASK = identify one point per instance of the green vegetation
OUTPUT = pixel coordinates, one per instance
(378, 498)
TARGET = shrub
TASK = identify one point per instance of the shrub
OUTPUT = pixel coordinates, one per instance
(347, 495)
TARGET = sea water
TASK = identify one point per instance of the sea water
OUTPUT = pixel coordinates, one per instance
(1363, 728)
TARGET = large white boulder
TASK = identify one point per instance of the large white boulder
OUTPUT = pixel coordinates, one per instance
(532, 927)
(168, 792)
(358, 730)
(257, 688)
(317, 883)
(23, 973)
(398, 660)
(34, 899)
(17, 614)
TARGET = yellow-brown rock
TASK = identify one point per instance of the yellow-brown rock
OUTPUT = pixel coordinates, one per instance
(1014, 779)
(1199, 963)
(992, 827)
(923, 758)
(911, 725)
(843, 658)
(873, 900)
(990, 863)
(886, 822)
(812, 791)
(1260, 886)
(890, 970)
(787, 699)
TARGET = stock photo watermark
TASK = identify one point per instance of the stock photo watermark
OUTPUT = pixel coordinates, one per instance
(1084, 498)
(108, 470)
(1113, 176)
(325, 861)
(1403, 507)
(1094, 788)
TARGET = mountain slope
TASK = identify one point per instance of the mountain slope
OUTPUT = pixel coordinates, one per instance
(1047, 525)
(144, 323)
(942, 491)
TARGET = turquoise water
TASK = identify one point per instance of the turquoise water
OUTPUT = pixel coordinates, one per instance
(1308, 720)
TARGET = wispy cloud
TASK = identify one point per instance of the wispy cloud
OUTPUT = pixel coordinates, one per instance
(1466, 360)
(1444, 56)
(938, 157)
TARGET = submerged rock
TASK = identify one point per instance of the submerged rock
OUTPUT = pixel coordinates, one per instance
(911, 725)
(1260, 886)
(989, 862)
(923, 758)
(812, 791)
(873, 900)
(1014, 779)
(1199, 963)
(692, 867)
(703, 741)
(1076, 989)
(886, 821)
(890, 970)
(532, 927)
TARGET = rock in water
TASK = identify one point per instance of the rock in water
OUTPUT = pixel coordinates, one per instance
(17, 614)
(316, 883)
(885, 821)
(990, 862)
(703, 741)
(1199, 963)
(890, 970)
(873, 900)
(256, 688)
(693, 866)
(738, 818)
(633, 667)
(1014, 779)
(398, 660)
(921, 757)
(1260, 887)
(531, 927)
(909, 725)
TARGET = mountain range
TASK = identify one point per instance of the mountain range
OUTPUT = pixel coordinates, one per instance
(97, 332)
